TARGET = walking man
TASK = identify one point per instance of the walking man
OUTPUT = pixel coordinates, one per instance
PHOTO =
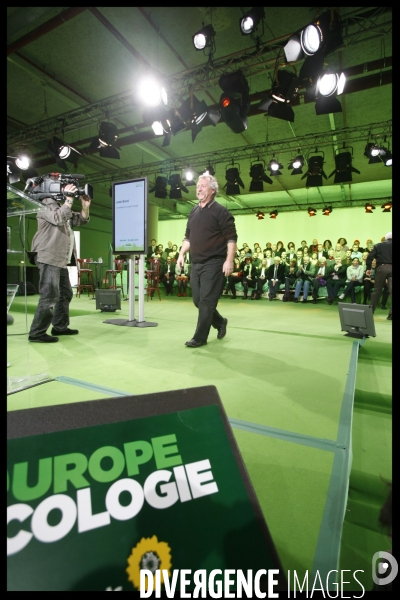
(382, 252)
(211, 237)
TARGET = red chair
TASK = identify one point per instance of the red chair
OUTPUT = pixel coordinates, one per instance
(119, 269)
(85, 277)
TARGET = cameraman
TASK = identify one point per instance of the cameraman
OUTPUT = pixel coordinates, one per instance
(52, 246)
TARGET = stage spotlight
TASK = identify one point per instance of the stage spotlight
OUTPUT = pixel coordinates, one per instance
(387, 158)
(151, 92)
(312, 211)
(62, 152)
(284, 90)
(234, 103)
(329, 84)
(372, 152)
(209, 170)
(176, 187)
(297, 165)
(274, 167)
(160, 187)
(387, 207)
(20, 165)
(190, 177)
(273, 214)
(344, 169)
(315, 172)
(369, 207)
(327, 211)
(260, 215)
(323, 35)
(23, 160)
(204, 38)
(249, 23)
(233, 181)
(258, 175)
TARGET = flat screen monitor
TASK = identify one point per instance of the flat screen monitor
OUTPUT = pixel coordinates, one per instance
(129, 203)
(108, 300)
(357, 320)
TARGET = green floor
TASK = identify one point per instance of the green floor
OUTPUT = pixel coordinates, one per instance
(281, 374)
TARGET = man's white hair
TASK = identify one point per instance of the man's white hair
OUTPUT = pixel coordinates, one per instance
(212, 182)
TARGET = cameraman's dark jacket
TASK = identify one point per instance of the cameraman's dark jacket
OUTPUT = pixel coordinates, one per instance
(51, 242)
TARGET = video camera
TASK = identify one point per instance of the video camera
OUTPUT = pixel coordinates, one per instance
(52, 184)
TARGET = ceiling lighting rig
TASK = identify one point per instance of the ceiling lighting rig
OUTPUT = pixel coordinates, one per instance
(343, 168)
(234, 103)
(258, 176)
(62, 152)
(233, 180)
(315, 171)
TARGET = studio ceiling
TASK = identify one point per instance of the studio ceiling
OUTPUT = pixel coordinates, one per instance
(71, 68)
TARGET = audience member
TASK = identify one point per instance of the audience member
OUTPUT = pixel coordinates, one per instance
(382, 252)
(305, 275)
(234, 278)
(291, 251)
(261, 279)
(256, 260)
(356, 253)
(314, 259)
(369, 281)
(269, 259)
(327, 245)
(303, 243)
(268, 246)
(321, 275)
(274, 249)
(284, 258)
(339, 252)
(168, 249)
(280, 248)
(276, 277)
(249, 276)
(167, 275)
(290, 279)
(343, 242)
(299, 258)
(363, 260)
(174, 253)
(354, 278)
(336, 279)
(182, 277)
(357, 242)
(306, 252)
(313, 247)
(151, 251)
(330, 261)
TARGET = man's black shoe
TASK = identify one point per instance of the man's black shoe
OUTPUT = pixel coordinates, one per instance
(285, 299)
(314, 301)
(44, 339)
(295, 300)
(64, 332)
(193, 344)
(389, 318)
(233, 297)
(222, 330)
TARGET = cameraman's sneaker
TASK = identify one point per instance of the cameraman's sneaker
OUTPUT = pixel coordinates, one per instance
(44, 339)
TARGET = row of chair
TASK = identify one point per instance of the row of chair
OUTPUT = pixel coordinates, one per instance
(86, 280)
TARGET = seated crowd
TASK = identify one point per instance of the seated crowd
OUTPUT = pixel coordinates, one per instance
(338, 268)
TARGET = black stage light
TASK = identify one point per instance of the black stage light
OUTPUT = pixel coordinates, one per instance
(176, 187)
(373, 153)
(258, 176)
(322, 36)
(160, 187)
(284, 90)
(233, 181)
(234, 103)
(315, 172)
(343, 168)
(108, 135)
(273, 214)
(312, 211)
(204, 38)
(387, 158)
(151, 92)
(209, 170)
(250, 21)
(369, 207)
(260, 215)
(327, 211)
(326, 106)
(387, 207)
(58, 149)
(297, 165)
(274, 167)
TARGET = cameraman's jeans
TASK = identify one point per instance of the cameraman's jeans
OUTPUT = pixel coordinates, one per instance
(55, 295)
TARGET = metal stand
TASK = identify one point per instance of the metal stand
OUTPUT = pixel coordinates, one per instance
(132, 322)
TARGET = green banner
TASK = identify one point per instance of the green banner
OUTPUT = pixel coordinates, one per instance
(89, 507)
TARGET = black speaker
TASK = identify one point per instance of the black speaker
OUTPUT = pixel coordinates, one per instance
(28, 286)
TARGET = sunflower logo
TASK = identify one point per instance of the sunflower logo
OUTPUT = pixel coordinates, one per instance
(149, 554)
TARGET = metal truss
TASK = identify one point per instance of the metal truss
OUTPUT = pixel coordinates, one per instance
(358, 26)
(253, 152)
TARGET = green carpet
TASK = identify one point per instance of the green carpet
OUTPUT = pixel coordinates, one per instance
(282, 368)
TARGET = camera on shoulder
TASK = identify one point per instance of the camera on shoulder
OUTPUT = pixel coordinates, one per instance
(51, 185)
